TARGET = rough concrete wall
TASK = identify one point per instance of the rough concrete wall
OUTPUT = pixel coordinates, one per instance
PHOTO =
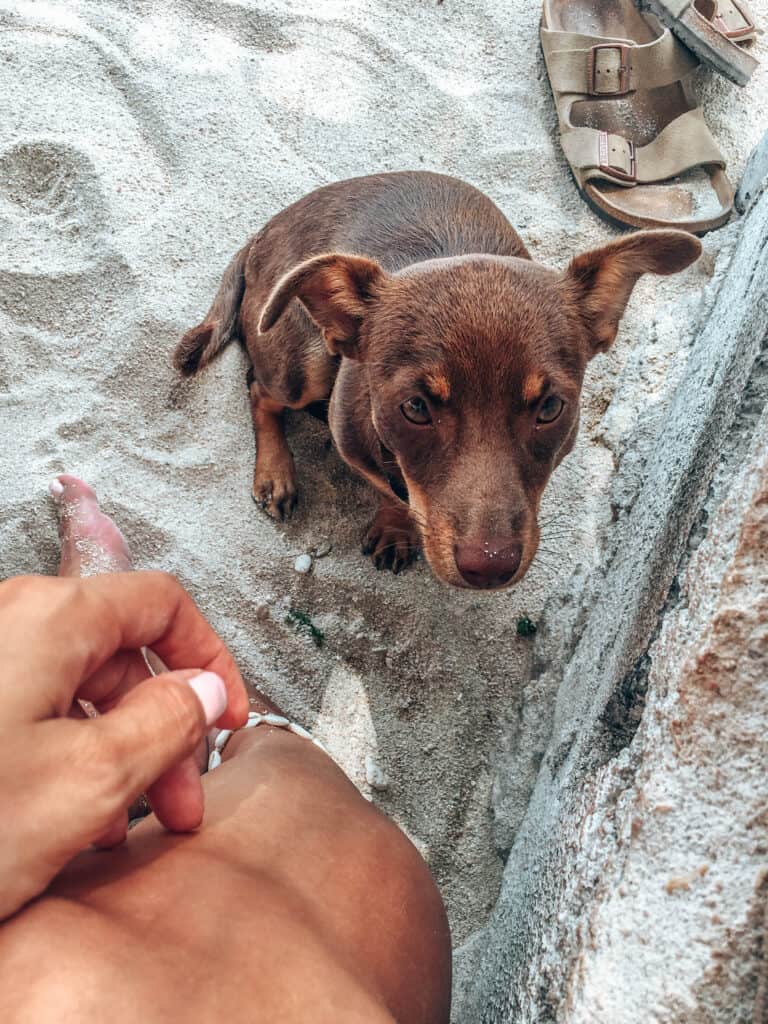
(677, 823)
(632, 889)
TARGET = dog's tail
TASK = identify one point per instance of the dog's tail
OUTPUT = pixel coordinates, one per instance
(201, 344)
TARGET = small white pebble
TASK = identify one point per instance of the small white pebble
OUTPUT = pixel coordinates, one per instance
(303, 563)
(377, 779)
(56, 488)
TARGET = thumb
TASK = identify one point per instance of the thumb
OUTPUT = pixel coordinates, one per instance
(154, 727)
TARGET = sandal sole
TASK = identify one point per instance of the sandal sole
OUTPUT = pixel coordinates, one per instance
(738, 73)
(638, 224)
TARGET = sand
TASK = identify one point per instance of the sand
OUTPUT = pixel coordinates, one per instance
(140, 144)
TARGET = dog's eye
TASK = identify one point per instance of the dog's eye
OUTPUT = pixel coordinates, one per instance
(550, 409)
(416, 410)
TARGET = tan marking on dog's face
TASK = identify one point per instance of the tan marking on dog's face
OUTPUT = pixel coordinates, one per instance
(438, 384)
(436, 534)
(533, 387)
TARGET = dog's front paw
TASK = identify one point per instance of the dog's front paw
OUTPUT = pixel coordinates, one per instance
(274, 489)
(391, 540)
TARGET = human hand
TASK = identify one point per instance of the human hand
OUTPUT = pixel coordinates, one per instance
(66, 782)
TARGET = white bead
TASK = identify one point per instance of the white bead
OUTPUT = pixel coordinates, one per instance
(278, 720)
(299, 730)
(221, 739)
(214, 760)
(254, 714)
(320, 745)
(253, 722)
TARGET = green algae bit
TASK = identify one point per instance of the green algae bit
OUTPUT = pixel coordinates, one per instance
(303, 624)
(525, 627)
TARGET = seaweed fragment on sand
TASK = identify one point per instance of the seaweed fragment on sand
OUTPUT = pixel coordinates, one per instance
(525, 627)
(303, 624)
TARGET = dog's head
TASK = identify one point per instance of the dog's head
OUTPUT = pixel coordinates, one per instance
(472, 369)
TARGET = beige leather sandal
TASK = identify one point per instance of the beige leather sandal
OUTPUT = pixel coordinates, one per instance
(715, 30)
(630, 125)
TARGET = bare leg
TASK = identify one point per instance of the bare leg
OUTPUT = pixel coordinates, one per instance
(274, 477)
(297, 901)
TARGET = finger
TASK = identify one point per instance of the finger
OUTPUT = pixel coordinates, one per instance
(155, 728)
(114, 680)
(177, 797)
(63, 630)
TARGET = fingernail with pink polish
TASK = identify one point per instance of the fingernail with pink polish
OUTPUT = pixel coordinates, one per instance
(212, 694)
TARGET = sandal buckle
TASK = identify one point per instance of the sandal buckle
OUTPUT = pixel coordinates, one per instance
(748, 27)
(614, 172)
(623, 69)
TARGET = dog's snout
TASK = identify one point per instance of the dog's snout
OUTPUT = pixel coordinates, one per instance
(488, 563)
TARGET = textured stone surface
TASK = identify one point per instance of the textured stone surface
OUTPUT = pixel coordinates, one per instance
(632, 891)
(678, 822)
(755, 178)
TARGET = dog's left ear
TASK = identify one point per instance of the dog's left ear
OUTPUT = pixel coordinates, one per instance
(602, 280)
(337, 290)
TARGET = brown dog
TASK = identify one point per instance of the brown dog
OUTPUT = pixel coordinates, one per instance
(453, 363)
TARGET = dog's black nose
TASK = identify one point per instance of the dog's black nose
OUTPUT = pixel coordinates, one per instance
(488, 563)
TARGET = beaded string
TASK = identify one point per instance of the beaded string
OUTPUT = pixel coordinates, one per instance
(256, 718)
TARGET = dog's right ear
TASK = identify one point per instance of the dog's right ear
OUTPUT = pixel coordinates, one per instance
(337, 291)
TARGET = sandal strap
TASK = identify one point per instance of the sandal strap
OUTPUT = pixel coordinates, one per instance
(685, 143)
(732, 18)
(599, 66)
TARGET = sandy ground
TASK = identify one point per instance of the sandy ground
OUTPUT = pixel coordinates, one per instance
(140, 143)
